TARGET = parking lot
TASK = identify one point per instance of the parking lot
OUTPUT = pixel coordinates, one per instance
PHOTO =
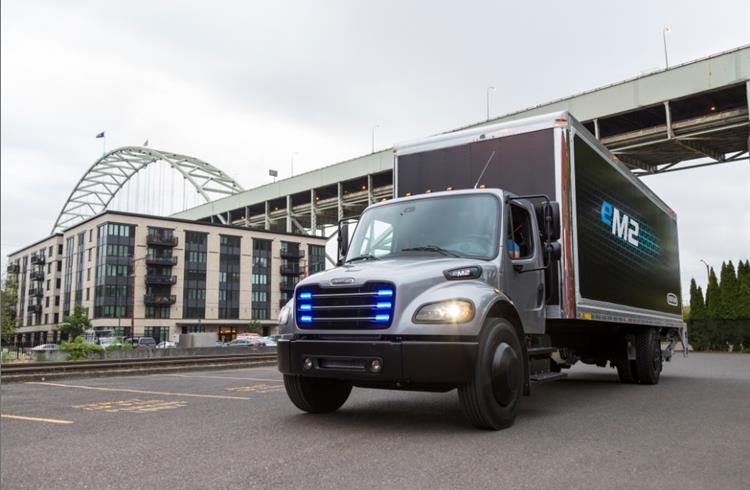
(236, 429)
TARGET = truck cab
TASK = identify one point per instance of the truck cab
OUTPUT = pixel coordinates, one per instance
(434, 292)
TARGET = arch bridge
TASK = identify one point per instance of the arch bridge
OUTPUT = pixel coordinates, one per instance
(107, 176)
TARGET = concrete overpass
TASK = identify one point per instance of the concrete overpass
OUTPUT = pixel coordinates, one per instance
(689, 115)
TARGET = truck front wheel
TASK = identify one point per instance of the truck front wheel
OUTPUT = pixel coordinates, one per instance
(316, 395)
(648, 356)
(490, 400)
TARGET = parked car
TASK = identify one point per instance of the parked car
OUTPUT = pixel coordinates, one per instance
(246, 342)
(144, 342)
(268, 341)
(219, 343)
(45, 347)
(166, 345)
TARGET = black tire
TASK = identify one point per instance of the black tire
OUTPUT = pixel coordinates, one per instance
(627, 372)
(491, 399)
(648, 356)
(316, 395)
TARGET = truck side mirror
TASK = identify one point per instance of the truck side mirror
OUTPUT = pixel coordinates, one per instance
(548, 217)
(343, 241)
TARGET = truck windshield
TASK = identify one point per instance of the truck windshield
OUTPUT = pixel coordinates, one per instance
(463, 225)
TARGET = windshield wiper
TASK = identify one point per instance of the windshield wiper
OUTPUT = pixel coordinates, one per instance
(431, 248)
(363, 257)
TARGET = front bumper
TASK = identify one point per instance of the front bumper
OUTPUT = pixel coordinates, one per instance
(408, 362)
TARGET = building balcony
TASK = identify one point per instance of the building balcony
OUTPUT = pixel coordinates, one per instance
(160, 279)
(37, 259)
(157, 260)
(162, 241)
(37, 276)
(289, 270)
(13, 269)
(292, 254)
(159, 299)
(36, 309)
(287, 286)
(37, 292)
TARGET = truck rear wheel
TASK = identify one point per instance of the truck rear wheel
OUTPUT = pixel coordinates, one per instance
(490, 400)
(627, 372)
(648, 356)
(316, 395)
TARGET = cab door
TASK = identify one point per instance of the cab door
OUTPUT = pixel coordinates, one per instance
(523, 281)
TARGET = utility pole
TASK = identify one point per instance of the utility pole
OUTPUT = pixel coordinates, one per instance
(373, 137)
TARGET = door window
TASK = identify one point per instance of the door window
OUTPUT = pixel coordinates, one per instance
(519, 239)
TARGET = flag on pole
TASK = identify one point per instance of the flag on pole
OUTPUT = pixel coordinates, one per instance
(100, 135)
(145, 143)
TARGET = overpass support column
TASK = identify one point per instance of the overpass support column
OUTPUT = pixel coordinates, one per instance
(289, 214)
(596, 128)
(370, 196)
(340, 201)
(313, 213)
(668, 113)
(266, 218)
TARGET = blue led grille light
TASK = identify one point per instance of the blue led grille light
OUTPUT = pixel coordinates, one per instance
(305, 319)
(385, 292)
(305, 307)
(384, 305)
(305, 295)
(382, 318)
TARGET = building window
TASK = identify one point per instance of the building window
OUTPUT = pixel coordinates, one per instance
(49, 267)
(317, 261)
(260, 305)
(49, 281)
(194, 285)
(57, 283)
(229, 277)
(193, 329)
(49, 251)
(69, 244)
(79, 268)
(46, 302)
(57, 300)
(55, 317)
(157, 311)
(160, 334)
(113, 293)
(88, 274)
(46, 318)
(87, 294)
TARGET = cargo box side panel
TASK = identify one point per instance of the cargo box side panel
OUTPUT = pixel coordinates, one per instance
(523, 164)
(627, 251)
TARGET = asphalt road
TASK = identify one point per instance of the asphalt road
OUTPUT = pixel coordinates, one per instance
(236, 429)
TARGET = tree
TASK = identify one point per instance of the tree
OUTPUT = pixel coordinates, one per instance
(8, 303)
(730, 290)
(697, 305)
(253, 327)
(74, 325)
(713, 296)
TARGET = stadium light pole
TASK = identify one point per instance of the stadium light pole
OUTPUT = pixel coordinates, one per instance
(292, 161)
(488, 101)
(664, 38)
(708, 269)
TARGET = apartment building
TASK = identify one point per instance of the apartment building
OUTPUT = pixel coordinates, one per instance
(156, 276)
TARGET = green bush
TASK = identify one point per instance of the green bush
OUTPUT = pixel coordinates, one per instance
(120, 346)
(79, 349)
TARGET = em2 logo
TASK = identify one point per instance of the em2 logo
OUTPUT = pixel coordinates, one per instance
(623, 226)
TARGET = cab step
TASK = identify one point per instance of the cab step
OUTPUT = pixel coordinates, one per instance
(545, 377)
(540, 351)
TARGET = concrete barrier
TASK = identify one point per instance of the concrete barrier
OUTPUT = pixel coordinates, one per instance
(144, 353)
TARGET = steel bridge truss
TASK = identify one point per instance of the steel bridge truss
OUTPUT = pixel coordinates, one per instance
(108, 175)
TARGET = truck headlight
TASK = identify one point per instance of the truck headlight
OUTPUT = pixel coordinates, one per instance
(284, 315)
(451, 311)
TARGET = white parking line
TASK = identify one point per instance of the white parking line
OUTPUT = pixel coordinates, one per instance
(222, 377)
(36, 419)
(130, 390)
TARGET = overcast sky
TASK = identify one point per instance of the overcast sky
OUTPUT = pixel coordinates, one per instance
(243, 85)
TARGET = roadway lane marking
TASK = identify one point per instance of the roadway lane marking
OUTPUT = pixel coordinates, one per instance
(223, 377)
(130, 390)
(135, 405)
(259, 388)
(36, 419)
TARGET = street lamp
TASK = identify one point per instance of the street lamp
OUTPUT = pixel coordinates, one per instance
(373, 137)
(664, 38)
(708, 269)
(488, 101)
(292, 160)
